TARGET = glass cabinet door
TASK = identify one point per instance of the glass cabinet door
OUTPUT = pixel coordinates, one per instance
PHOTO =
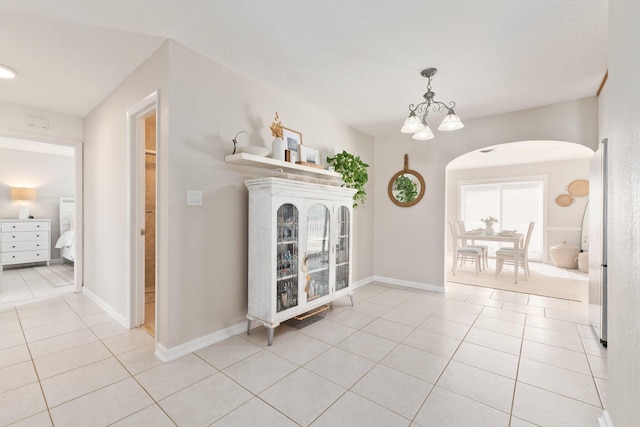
(317, 252)
(342, 248)
(287, 257)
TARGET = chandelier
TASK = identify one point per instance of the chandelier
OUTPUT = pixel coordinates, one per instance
(416, 123)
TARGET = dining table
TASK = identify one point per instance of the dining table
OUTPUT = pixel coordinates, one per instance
(507, 237)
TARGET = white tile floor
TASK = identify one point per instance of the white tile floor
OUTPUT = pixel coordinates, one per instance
(20, 284)
(399, 357)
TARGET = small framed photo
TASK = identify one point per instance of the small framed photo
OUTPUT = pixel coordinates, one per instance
(309, 155)
(292, 138)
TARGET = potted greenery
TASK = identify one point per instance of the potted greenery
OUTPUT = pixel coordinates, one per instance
(354, 174)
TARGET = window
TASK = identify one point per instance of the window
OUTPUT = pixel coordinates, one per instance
(515, 204)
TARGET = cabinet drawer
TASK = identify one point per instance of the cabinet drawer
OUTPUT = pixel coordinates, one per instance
(25, 226)
(24, 236)
(35, 245)
(25, 256)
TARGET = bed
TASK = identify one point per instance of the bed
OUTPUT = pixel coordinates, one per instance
(67, 229)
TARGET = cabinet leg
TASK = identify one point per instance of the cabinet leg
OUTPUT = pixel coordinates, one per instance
(248, 327)
(270, 336)
(351, 298)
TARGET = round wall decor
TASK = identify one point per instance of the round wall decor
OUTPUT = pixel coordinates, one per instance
(564, 200)
(579, 187)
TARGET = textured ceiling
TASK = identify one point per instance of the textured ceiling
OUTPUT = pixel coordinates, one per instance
(358, 60)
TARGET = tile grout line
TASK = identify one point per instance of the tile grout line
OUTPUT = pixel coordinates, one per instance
(44, 397)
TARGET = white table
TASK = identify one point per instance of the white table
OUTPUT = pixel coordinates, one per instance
(511, 238)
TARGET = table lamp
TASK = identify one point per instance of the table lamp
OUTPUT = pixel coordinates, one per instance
(23, 194)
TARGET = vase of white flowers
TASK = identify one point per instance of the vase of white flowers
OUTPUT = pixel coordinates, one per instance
(488, 230)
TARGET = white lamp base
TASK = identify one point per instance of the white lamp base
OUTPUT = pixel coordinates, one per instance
(23, 211)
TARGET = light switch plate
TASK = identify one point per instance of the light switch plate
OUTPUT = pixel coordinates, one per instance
(194, 197)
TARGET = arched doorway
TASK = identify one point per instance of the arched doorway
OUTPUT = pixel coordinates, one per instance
(508, 181)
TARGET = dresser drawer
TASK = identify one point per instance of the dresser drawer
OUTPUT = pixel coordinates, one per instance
(25, 256)
(24, 236)
(8, 226)
(35, 245)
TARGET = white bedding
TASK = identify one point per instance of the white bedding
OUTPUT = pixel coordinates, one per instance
(67, 229)
(66, 240)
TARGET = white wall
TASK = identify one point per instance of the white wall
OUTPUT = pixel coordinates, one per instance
(622, 106)
(561, 223)
(207, 284)
(106, 182)
(409, 242)
(202, 251)
(62, 129)
(52, 176)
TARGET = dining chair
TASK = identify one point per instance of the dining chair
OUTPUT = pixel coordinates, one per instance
(507, 256)
(463, 253)
(484, 248)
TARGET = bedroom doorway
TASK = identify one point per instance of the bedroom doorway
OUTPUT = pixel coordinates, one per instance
(53, 167)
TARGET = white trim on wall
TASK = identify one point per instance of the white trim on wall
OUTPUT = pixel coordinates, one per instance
(409, 284)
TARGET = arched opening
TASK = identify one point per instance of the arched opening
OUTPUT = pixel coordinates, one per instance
(516, 183)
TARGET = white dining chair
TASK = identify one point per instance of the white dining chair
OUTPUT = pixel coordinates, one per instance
(506, 255)
(484, 248)
(463, 253)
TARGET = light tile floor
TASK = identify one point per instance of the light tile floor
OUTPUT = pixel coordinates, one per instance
(21, 284)
(399, 357)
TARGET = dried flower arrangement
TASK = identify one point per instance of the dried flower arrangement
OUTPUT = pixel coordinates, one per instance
(489, 221)
(276, 127)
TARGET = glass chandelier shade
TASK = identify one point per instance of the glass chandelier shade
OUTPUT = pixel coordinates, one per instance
(451, 122)
(424, 135)
(412, 125)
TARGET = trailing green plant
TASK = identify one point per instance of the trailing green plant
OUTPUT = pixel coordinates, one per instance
(354, 174)
(406, 188)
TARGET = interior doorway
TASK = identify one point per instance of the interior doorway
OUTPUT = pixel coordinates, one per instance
(53, 167)
(142, 124)
(150, 224)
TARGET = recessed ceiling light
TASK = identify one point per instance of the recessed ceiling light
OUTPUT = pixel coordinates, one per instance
(7, 72)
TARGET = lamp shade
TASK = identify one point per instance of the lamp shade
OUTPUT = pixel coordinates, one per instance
(423, 135)
(451, 122)
(412, 124)
(22, 193)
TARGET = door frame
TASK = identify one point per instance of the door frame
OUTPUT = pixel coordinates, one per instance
(136, 116)
(78, 147)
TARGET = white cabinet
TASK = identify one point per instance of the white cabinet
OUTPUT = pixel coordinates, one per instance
(24, 241)
(299, 248)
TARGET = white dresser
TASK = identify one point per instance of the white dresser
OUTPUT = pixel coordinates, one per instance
(24, 241)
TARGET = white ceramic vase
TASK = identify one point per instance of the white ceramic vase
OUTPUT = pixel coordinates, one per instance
(489, 230)
(278, 146)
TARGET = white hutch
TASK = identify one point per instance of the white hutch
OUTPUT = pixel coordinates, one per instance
(299, 248)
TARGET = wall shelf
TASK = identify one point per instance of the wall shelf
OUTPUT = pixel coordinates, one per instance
(245, 159)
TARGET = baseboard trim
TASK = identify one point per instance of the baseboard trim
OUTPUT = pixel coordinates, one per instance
(168, 354)
(605, 420)
(409, 284)
(362, 282)
(106, 307)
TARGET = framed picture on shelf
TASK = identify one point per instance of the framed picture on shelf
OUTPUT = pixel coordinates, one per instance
(292, 138)
(309, 155)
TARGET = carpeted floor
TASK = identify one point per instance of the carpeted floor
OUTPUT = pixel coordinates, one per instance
(545, 280)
